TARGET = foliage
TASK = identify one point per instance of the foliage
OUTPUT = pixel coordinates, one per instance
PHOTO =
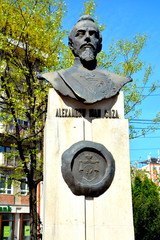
(90, 9)
(146, 208)
(30, 42)
(137, 172)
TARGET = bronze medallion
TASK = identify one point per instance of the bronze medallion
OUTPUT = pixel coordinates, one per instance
(88, 168)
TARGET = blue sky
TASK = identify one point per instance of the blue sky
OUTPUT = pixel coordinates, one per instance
(124, 19)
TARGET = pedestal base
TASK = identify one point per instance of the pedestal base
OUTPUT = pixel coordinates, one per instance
(70, 217)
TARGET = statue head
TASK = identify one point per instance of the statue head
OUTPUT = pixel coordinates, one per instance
(85, 39)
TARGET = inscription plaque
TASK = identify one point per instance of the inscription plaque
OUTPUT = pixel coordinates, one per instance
(88, 168)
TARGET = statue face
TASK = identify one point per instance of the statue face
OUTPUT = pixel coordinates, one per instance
(85, 40)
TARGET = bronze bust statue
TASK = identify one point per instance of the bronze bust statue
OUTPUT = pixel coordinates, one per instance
(84, 81)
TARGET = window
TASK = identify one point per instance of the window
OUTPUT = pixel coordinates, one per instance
(9, 160)
(24, 189)
(5, 149)
(5, 185)
(25, 227)
(6, 226)
(154, 168)
(21, 123)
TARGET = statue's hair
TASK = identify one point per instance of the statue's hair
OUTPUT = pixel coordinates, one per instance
(82, 18)
(86, 17)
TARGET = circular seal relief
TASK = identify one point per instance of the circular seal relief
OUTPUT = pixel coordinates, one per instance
(88, 168)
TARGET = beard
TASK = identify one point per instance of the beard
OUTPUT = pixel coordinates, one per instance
(87, 54)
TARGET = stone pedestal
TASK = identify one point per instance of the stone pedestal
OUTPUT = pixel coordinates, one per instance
(70, 217)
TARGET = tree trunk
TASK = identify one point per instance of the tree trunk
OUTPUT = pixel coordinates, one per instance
(33, 211)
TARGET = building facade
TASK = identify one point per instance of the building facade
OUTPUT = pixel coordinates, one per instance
(152, 168)
(14, 202)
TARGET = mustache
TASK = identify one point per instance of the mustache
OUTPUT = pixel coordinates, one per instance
(87, 45)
